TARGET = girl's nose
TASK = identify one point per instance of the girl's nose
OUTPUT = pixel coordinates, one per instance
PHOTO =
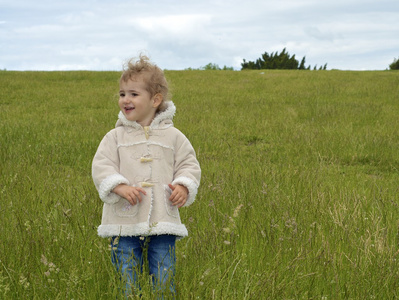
(125, 99)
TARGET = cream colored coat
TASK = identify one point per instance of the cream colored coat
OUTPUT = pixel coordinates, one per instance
(151, 158)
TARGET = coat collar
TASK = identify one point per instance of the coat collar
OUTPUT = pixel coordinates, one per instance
(163, 119)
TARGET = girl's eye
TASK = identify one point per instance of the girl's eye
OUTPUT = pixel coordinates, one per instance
(121, 95)
(134, 94)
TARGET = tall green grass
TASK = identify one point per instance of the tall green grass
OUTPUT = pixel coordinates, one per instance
(298, 199)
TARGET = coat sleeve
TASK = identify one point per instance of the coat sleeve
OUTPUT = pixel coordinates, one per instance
(105, 169)
(187, 169)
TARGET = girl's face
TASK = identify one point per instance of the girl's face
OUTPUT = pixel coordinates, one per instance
(135, 101)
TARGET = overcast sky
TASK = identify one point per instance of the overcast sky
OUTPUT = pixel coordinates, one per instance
(102, 34)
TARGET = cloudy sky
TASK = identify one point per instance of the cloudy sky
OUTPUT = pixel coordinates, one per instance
(102, 34)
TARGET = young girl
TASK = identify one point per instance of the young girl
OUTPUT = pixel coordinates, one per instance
(145, 170)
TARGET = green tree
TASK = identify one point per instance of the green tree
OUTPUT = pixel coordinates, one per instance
(282, 60)
(302, 65)
(394, 65)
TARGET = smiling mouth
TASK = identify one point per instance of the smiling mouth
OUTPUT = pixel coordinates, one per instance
(129, 108)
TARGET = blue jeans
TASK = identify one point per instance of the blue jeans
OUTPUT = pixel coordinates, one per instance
(128, 253)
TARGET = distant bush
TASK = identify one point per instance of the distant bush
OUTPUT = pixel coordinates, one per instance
(281, 60)
(213, 67)
(394, 65)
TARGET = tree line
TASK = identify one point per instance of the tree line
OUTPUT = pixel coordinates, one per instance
(282, 60)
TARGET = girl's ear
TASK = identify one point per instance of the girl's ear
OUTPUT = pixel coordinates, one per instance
(157, 100)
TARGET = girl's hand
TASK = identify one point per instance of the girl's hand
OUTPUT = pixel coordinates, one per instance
(130, 193)
(179, 195)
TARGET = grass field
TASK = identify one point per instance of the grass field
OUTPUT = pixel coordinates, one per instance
(298, 199)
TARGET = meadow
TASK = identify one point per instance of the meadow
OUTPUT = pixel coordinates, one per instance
(298, 198)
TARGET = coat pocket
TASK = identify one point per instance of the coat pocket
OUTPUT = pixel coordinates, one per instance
(171, 209)
(123, 208)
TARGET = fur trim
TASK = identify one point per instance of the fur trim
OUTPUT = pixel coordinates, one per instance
(190, 185)
(142, 229)
(166, 115)
(158, 122)
(107, 185)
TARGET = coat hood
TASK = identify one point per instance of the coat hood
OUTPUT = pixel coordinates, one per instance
(163, 119)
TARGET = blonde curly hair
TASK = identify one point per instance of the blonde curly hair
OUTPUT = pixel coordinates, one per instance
(152, 75)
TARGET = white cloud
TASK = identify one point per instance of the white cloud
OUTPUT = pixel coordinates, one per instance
(178, 25)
